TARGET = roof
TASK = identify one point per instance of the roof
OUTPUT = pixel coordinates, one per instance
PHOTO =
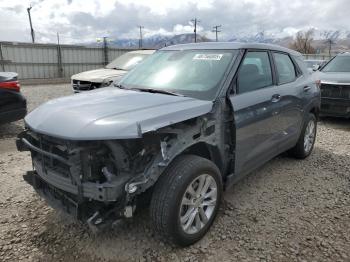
(146, 52)
(230, 45)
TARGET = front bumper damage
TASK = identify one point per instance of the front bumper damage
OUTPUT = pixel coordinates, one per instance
(79, 209)
(99, 182)
(98, 203)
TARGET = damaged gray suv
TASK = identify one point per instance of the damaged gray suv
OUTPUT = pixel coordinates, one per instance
(178, 129)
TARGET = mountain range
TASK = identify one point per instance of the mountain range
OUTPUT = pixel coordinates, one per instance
(340, 39)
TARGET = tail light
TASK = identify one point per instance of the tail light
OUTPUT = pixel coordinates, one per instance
(11, 85)
(318, 83)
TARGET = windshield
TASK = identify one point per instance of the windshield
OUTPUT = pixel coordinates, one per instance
(338, 64)
(194, 73)
(126, 61)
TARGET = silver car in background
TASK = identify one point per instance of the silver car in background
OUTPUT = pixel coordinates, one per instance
(93, 79)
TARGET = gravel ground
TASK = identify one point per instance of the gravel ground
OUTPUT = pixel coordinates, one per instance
(288, 210)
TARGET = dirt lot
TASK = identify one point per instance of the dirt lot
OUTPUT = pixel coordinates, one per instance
(288, 210)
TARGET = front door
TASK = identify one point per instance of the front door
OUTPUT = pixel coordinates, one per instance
(256, 107)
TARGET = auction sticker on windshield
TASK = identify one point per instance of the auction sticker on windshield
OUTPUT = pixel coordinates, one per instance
(216, 57)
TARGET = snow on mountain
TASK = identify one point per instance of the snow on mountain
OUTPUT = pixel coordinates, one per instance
(159, 40)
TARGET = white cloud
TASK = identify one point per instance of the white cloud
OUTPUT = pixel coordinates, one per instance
(85, 20)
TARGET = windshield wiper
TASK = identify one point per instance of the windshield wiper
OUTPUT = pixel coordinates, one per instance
(159, 91)
(150, 90)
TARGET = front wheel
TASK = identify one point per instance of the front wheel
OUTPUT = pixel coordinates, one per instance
(307, 138)
(186, 199)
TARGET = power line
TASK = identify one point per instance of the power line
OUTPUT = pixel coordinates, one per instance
(30, 23)
(140, 41)
(195, 21)
(216, 31)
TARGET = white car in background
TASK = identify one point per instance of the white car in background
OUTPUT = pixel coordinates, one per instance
(103, 77)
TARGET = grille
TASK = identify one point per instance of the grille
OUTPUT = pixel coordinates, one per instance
(335, 91)
(53, 146)
(85, 85)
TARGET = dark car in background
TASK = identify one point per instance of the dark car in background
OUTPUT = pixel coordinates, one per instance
(188, 122)
(13, 105)
(334, 80)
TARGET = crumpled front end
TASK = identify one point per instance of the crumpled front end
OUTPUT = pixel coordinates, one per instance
(87, 179)
(99, 181)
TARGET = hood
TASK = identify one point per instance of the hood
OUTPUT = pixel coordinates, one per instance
(98, 75)
(332, 77)
(112, 113)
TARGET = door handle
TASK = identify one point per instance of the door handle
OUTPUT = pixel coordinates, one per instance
(275, 98)
(307, 88)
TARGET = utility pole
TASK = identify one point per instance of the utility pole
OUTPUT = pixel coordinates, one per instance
(140, 41)
(105, 50)
(59, 57)
(216, 31)
(330, 42)
(195, 22)
(31, 25)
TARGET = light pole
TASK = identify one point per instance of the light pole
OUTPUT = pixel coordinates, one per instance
(30, 23)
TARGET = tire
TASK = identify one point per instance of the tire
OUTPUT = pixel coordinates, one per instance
(169, 204)
(300, 150)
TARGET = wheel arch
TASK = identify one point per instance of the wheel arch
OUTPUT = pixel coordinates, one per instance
(207, 151)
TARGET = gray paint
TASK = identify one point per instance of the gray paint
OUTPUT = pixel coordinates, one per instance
(112, 113)
(264, 127)
(240, 133)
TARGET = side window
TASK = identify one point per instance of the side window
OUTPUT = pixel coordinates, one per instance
(255, 72)
(285, 68)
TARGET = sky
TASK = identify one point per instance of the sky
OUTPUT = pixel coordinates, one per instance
(79, 21)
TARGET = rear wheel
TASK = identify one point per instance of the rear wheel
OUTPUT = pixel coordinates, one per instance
(186, 199)
(307, 138)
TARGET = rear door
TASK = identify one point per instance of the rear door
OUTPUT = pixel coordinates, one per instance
(256, 108)
(291, 86)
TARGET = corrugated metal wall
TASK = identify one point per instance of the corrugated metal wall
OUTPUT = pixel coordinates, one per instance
(41, 61)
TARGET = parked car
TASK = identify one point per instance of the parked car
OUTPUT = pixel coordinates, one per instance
(104, 77)
(314, 65)
(13, 105)
(188, 122)
(335, 86)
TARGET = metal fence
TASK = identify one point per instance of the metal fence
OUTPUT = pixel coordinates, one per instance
(45, 61)
(48, 61)
(318, 56)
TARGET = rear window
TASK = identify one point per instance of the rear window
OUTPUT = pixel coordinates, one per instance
(285, 68)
